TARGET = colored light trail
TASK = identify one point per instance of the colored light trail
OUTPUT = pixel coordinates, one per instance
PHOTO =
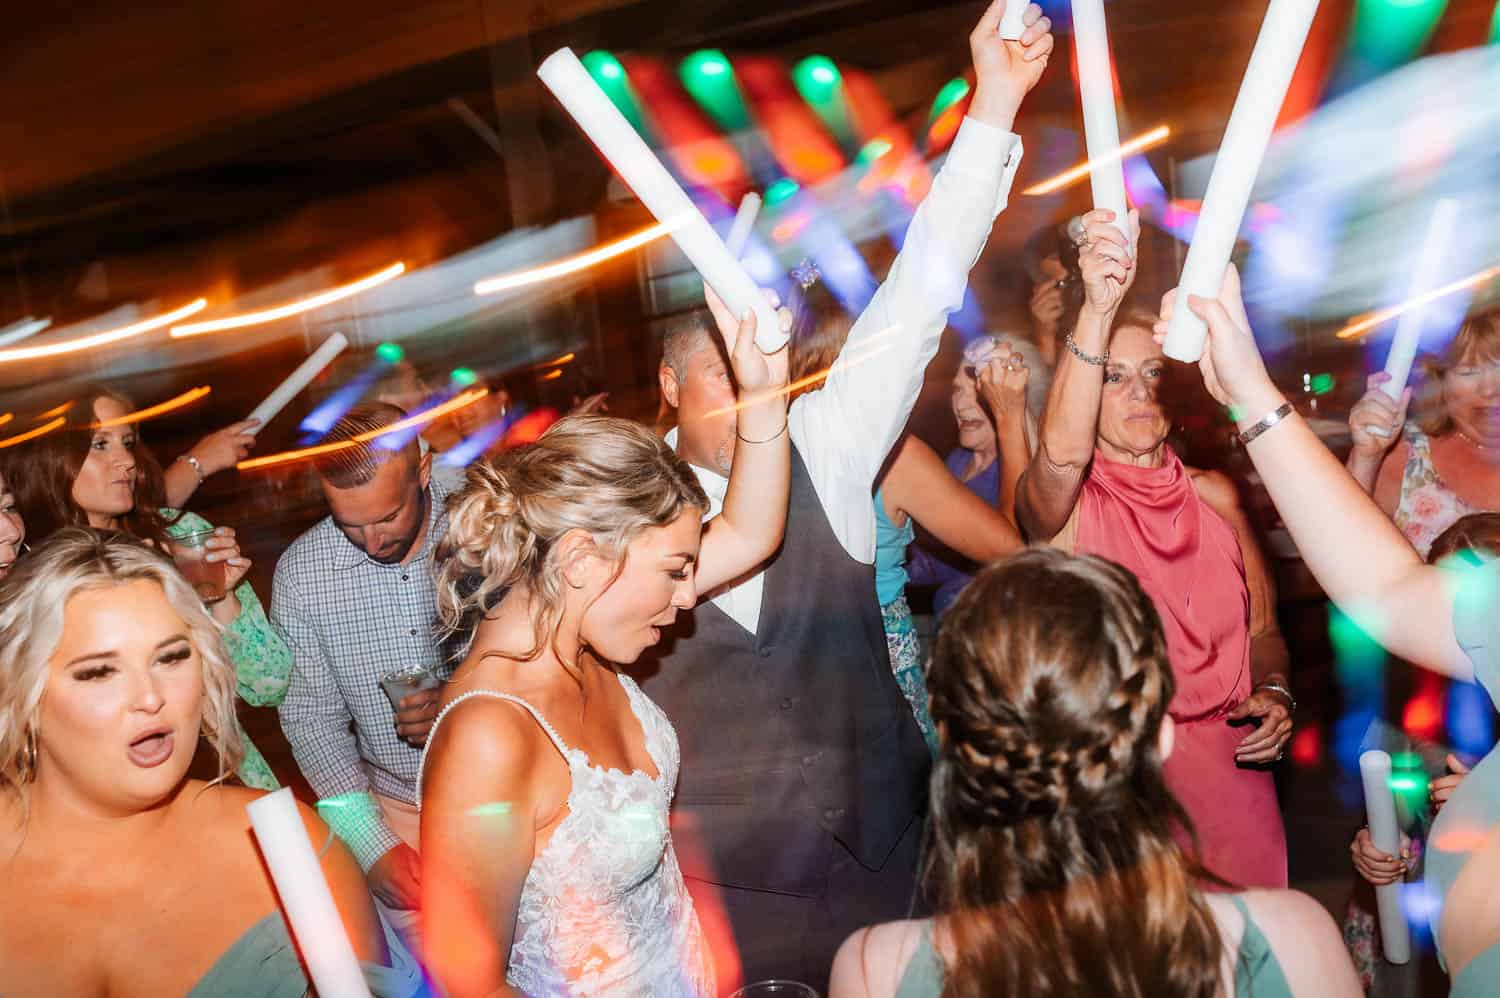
(263, 316)
(571, 265)
(170, 405)
(105, 338)
(1140, 143)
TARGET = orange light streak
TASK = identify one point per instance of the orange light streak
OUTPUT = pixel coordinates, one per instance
(1140, 143)
(104, 338)
(458, 402)
(1364, 323)
(573, 264)
(21, 438)
(7, 418)
(811, 379)
(566, 358)
(390, 273)
(56, 410)
(552, 375)
(186, 398)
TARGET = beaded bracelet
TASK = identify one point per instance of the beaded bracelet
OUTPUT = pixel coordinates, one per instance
(1085, 357)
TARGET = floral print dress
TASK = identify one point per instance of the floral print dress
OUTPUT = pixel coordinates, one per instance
(1428, 506)
(262, 661)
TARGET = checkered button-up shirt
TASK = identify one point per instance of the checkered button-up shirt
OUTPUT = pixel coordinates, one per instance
(350, 620)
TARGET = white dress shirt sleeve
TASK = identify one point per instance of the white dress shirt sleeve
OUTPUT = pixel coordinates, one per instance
(846, 429)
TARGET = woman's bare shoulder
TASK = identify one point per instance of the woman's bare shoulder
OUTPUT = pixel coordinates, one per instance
(872, 961)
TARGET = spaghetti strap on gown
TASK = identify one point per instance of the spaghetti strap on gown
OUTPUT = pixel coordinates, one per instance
(604, 909)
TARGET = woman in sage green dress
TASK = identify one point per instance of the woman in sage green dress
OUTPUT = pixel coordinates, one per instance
(122, 875)
(1053, 868)
(96, 472)
(1446, 617)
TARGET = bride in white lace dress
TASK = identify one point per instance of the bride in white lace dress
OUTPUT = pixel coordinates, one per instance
(548, 866)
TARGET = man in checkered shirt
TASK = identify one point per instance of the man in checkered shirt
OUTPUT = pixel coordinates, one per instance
(354, 598)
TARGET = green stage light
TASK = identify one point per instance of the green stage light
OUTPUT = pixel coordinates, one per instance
(819, 82)
(390, 353)
(818, 69)
(953, 91)
(781, 191)
(609, 73)
(1387, 33)
(463, 377)
(603, 66)
(873, 150)
(708, 76)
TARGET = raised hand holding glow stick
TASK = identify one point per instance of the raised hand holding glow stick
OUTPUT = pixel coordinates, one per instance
(744, 224)
(1011, 25)
(571, 83)
(298, 380)
(1101, 126)
(305, 896)
(1251, 123)
(1380, 809)
(1429, 268)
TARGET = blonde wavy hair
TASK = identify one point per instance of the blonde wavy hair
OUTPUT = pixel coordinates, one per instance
(33, 598)
(1476, 342)
(611, 478)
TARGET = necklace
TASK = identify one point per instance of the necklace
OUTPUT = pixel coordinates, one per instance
(1475, 443)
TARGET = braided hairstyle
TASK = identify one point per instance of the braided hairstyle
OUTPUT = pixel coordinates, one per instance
(1053, 866)
(611, 478)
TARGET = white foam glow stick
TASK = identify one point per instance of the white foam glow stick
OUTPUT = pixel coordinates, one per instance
(744, 224)
(298, 380)
(305, 896)
(571, 83)
(1251, 123)
(1101, 126)
(1011, 25)
(1380, 810)
(1429, 267)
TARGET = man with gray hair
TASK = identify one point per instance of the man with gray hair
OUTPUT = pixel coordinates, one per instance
(355, 600)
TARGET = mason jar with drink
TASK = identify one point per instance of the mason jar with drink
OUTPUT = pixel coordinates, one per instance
(209, 579)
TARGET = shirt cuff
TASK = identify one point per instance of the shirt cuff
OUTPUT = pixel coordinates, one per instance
(976, 150)
(356, 818)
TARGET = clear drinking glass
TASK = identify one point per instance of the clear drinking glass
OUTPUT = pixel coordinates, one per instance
(403, 682)
(208, 578)
(775, 989)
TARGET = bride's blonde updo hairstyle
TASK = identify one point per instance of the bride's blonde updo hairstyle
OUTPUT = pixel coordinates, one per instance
(611, 478)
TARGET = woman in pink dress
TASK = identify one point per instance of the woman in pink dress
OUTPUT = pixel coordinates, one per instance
(1104, 482)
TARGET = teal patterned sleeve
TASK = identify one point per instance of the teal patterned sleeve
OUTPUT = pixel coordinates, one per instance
(262, 661)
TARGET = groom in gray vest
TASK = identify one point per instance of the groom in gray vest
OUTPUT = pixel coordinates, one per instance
(803, 771)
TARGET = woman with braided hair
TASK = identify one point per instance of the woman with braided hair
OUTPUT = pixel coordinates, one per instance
(1053, 868)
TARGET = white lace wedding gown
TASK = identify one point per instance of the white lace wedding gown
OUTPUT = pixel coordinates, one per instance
(604, 910)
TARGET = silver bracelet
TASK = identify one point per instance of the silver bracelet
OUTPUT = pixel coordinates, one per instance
(773, 436)
(192, 462)
(1251, 432)
(1278, 688)
(1086, 358)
